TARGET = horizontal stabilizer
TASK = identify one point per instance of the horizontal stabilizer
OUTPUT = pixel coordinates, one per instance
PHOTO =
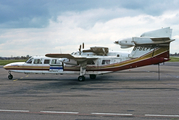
(164, 32)
(153, 37)
(143, 41)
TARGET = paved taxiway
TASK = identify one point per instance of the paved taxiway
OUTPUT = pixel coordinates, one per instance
(130, 94)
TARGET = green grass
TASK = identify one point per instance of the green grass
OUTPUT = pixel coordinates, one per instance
(174, 59)
(4, 62)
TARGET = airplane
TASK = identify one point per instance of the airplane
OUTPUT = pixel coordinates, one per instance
(150, 48)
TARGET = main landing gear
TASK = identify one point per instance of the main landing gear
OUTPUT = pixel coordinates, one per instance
(92, 76)
(82, 78)
(10, 76)
(83, 71)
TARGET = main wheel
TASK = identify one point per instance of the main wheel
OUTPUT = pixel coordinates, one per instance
(10, 76)
(81, 78)
(92, 76)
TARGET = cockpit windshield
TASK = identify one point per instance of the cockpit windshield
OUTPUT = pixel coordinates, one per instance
(29, 60)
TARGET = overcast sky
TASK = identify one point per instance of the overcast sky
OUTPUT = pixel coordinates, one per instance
(29, 27)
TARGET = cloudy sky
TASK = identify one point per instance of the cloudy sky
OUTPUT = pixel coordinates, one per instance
(29, 27)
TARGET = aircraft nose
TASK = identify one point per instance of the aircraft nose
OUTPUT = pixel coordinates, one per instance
(7, 66)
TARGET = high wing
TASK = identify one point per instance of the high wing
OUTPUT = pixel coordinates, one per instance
(60, 56)
(78, 58)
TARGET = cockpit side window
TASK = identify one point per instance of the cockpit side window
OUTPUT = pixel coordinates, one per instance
(47, 61)
(29, 61)
(37, 61)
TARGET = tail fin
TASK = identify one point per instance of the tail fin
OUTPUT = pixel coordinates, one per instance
(153, 45)
(157, 53)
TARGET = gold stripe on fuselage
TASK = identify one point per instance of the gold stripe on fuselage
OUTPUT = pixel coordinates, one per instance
(149, 55)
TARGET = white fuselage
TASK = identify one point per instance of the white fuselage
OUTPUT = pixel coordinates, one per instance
(46, 65)
(150, 48)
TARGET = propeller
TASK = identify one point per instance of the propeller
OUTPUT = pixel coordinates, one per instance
(81, 47)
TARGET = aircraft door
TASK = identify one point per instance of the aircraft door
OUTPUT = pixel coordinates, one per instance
(56, 66)
(33, 65)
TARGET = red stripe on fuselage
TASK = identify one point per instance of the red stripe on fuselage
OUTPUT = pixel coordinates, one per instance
(9, 68)
(148, 61)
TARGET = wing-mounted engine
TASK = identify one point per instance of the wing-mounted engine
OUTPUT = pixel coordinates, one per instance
(101, 51)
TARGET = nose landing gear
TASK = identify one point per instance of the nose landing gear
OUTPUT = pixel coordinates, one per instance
(10, 76)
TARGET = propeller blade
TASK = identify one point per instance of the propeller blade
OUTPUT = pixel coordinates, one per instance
(83, 45)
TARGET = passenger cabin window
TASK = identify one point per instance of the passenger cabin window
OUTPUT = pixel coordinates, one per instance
(29, 61)
(37, 61)
(54, 61)
(47, 61)
(105, 62)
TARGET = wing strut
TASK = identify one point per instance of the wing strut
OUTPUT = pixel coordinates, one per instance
(82, 71)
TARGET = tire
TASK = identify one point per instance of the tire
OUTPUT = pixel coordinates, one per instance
(81, 78)
(10, 77)
(92, 76)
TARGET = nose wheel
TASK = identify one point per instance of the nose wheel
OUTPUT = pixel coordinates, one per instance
(10, 77)
(81, 78)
